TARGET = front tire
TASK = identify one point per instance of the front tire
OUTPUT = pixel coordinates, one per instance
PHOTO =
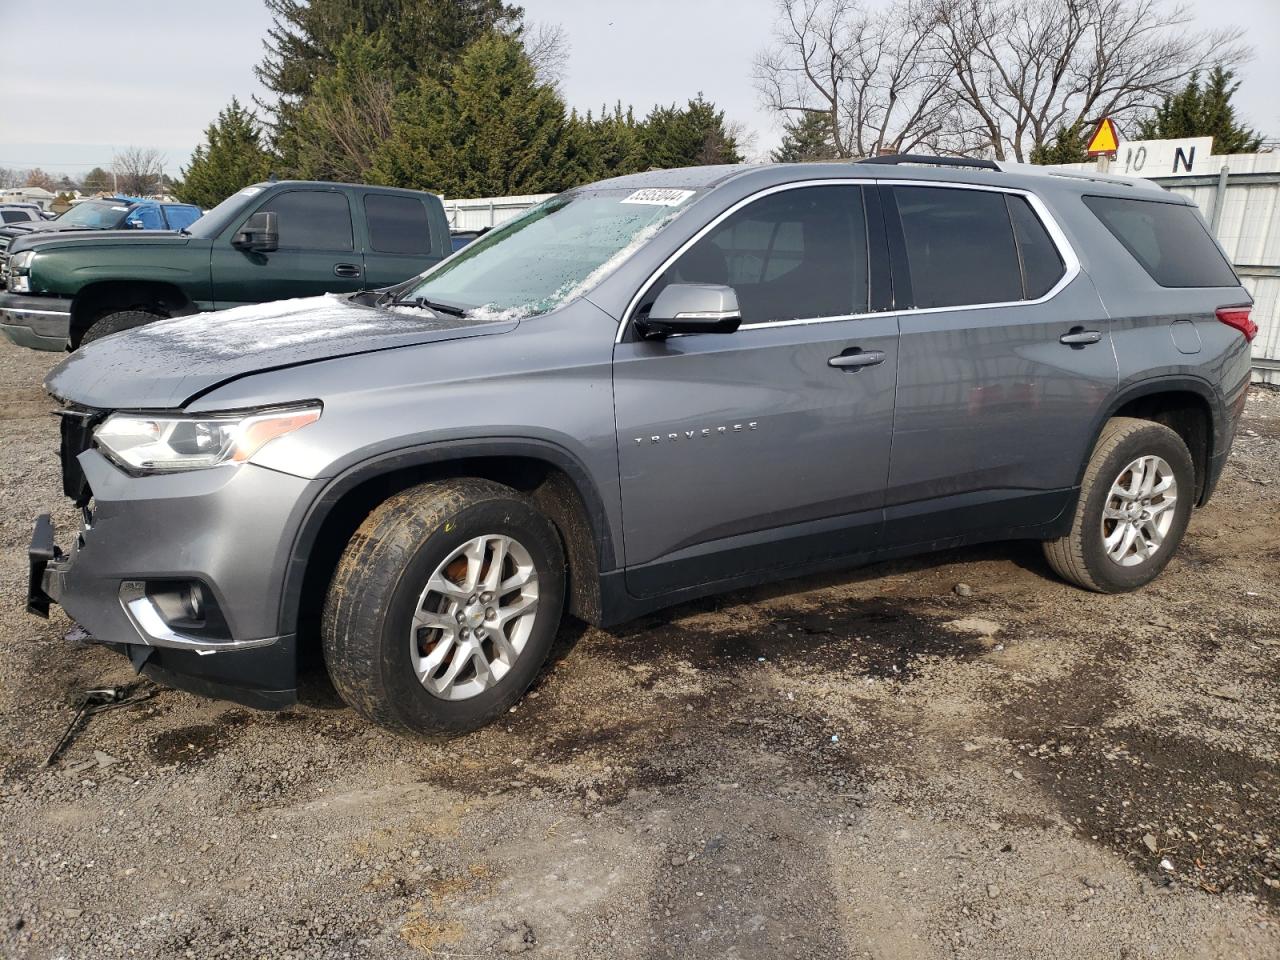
(444, 607)
(1134, 507)
(117, 321)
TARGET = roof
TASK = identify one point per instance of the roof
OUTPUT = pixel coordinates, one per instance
(1017, 175)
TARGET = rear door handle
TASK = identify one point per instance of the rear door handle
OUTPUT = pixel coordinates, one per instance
(1079, 336)
(856, 358)
(346, 270)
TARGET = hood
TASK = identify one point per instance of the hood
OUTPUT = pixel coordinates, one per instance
(167, 363)
(44, 226)
(46, 238)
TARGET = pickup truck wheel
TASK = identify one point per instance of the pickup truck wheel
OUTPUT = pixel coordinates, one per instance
(444, 606)
(1135, 503)
(116, 321)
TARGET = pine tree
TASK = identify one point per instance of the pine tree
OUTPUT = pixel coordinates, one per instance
(231, 157)
(685, 137)
(1069, 145)
(1203, 111)
(607, 147)
(804, 138)
(420, 38)
(494, 130)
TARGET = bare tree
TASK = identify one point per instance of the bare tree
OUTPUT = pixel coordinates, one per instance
(351, 123)
(1024, 69)
(9, 177)
(139, 171)
(547, 47)
(878, 77)
(35, 177)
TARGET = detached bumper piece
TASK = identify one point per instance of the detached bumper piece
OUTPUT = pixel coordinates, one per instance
(39, 555)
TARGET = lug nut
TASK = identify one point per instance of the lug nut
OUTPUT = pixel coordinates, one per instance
(486, 598)
(471, 600)
(465, 632)
(459, 615)
(490, 614)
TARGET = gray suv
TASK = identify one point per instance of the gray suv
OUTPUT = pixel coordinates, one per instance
(642, 391)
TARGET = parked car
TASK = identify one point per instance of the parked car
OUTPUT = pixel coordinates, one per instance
(460, 238)
(19, 213)
(269, 241)
(640, 392)
(110, 213)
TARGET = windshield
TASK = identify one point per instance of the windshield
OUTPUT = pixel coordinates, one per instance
(551, 253)
(213, 222)
(95, 214)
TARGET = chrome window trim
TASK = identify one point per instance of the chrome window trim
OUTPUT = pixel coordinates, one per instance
(1070, 261)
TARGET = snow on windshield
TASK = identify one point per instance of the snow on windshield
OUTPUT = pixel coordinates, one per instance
(550, 255)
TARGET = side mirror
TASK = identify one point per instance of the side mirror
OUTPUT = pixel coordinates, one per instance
(691, 308)
(133, 224)
(260, 233)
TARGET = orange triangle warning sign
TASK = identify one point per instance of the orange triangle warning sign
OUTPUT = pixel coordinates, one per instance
(1105, 138)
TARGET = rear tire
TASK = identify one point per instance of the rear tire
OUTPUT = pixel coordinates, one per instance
(117, 321)
(1135, 503)
(421, 632)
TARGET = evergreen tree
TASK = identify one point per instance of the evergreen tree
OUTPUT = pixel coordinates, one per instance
(341, 125)
(420, 38)
(231, 157)
(1067, 146)
(607, 147)
(97, 180)
(685, 137)
(493, 130)
(804, 138)
(1203, 111)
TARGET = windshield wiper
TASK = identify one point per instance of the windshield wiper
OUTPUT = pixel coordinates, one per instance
(430, 305)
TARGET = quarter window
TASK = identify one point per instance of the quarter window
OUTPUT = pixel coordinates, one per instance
(312, 220)
(960, 246)
(1042, 265)
(397, 224)
(796, 254)
(1168, 239)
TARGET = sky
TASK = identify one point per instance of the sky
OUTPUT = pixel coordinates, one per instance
(92, 76)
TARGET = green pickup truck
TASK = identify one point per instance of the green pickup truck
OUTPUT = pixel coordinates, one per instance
(270, 241)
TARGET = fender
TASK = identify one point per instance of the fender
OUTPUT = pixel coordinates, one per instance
(428, 454)
(1186, 383)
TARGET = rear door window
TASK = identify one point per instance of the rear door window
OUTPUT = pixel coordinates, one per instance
(14, 216)
(796, 254)
(312, 220)
(1168, 239)
(960, 246)
(397, 224)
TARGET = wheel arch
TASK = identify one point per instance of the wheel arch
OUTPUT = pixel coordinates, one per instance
(1187, 405)
(556, 482)
(94, 299)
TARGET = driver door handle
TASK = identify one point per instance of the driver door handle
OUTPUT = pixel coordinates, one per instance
(346, 270)
(856, 358)
(1079, 337)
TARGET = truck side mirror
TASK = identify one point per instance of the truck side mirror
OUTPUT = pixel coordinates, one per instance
(260, 233)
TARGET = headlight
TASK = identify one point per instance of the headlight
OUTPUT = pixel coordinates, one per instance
(155, 444)
(21, 261)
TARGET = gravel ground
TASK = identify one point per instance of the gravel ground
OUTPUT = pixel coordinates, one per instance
(879, 764)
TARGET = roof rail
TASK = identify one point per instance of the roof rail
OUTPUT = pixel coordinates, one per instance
(896, 158)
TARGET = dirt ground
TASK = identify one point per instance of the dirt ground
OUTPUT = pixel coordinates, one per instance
(876, 764)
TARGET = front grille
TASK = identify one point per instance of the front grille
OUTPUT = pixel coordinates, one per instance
(4, 262)
(77, 437)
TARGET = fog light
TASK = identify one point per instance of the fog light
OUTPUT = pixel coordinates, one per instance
(193, 601)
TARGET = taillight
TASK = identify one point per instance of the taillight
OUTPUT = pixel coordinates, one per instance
(1238, 317)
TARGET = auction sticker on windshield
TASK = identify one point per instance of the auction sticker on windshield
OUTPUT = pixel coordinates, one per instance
(655, 196)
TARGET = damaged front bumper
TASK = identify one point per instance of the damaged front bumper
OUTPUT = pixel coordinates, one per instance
(183, 573)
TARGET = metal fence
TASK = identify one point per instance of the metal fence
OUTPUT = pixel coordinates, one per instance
(487, 212)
